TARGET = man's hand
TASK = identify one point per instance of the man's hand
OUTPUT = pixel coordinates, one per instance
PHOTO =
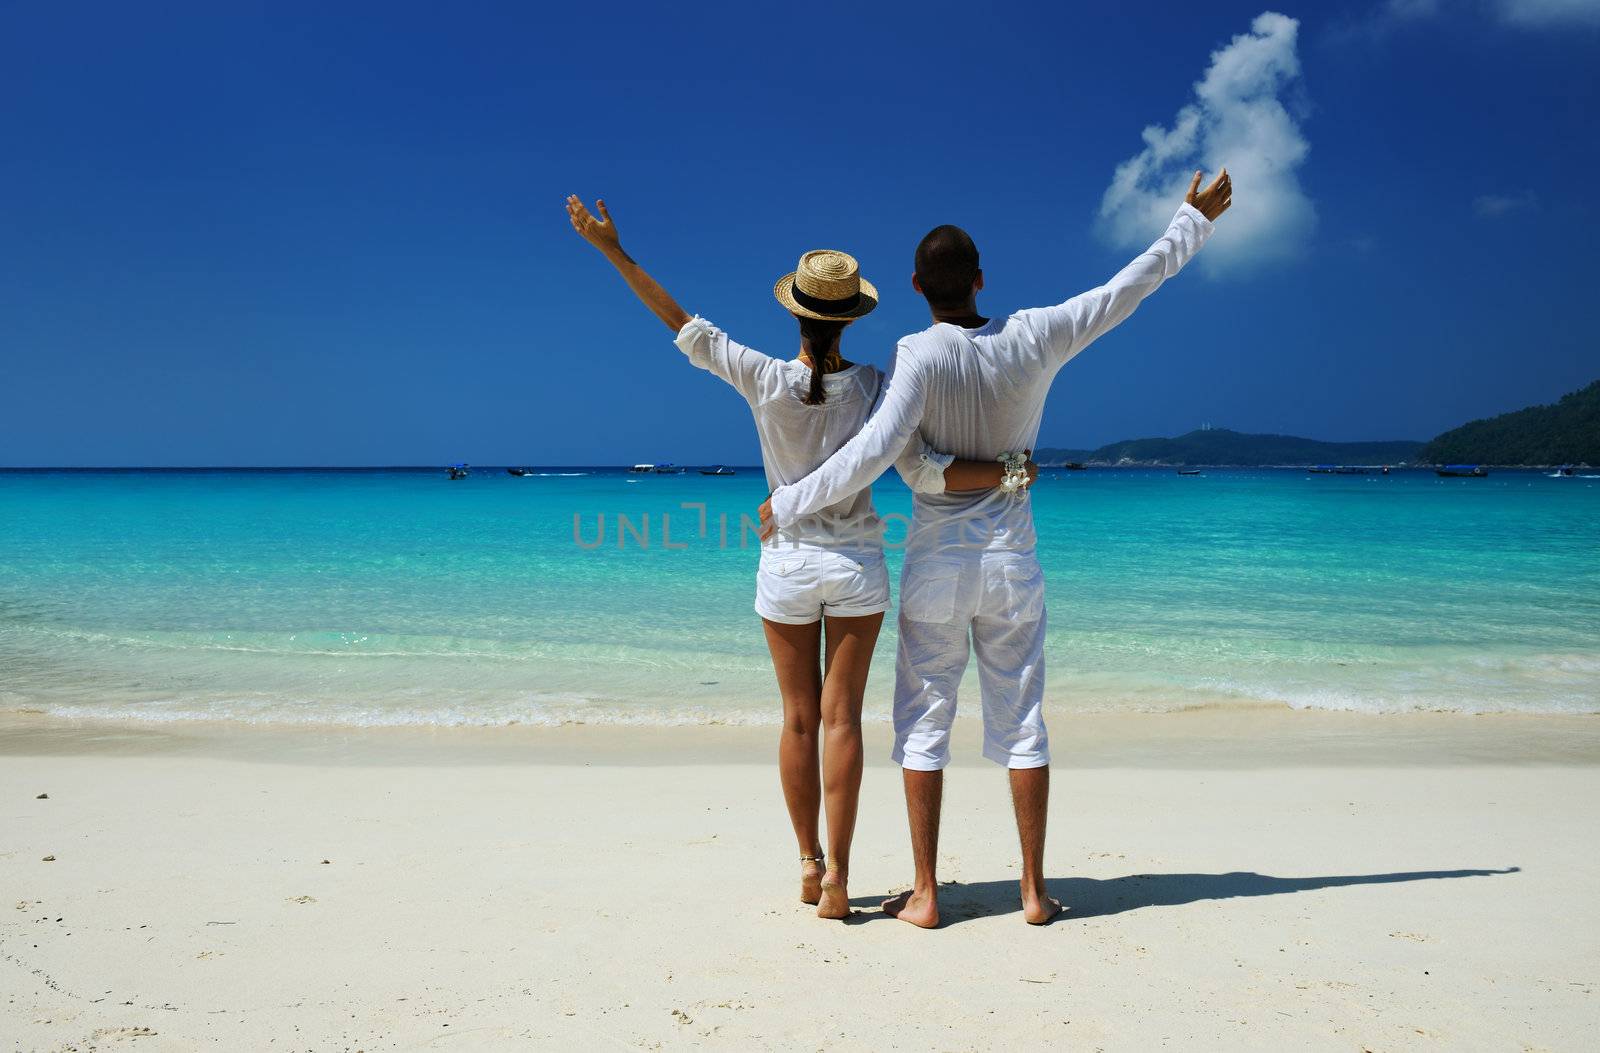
(768, 527)
(601, 233)
(1212, 202)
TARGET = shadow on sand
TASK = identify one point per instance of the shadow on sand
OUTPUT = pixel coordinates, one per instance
(1097, 897)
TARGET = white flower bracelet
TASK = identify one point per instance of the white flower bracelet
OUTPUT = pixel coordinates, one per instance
(1016, 473)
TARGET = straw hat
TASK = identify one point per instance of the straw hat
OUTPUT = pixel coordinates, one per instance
(827, 285)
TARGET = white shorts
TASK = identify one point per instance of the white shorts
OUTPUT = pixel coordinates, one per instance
(798, 586)
(995, 602)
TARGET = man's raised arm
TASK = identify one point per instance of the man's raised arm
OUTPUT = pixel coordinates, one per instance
(861, 460)
(1072, 326)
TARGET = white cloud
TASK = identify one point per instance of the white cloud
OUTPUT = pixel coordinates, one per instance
(1396, 11)
(1374, 26)
(1493, 206)
(1540, 14)
(1237, 119)
(1527, 14)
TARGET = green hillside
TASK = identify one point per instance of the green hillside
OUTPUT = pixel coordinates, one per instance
(1221, 446)
(1565, 433)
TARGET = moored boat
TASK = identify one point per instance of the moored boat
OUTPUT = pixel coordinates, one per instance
(720, 469)
(1461, 471)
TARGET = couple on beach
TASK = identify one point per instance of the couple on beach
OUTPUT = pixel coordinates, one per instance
(964, 396)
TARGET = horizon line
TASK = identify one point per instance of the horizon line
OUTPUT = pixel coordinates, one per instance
(331, 467)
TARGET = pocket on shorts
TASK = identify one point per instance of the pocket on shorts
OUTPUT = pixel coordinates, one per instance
(928, 592)
(856, 586)
(1023, 590)
(782, 566)
(786, 589)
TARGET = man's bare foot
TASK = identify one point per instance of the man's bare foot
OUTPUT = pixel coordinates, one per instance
(810, 881)
(1040, 909)
(835, 900)
(919, 908)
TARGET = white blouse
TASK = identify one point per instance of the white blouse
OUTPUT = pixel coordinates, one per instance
(796, 438)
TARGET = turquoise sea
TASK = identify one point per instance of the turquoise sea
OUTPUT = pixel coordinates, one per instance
(399, 597)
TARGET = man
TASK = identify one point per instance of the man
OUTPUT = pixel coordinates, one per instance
(975, 387)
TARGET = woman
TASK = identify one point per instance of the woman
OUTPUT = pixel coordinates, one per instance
(822, 587)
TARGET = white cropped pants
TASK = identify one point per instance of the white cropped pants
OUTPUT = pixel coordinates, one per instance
(954, 603)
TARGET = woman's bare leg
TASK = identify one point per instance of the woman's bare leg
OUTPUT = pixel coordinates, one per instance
(849, 657)
(796, 657)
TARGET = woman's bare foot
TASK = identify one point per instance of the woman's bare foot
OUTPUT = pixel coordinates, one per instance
(919, 908)
(811, 881)
(1038, 908)
(835, 900)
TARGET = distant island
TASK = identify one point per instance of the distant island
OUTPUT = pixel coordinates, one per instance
(1565, 433)
(1219, 446)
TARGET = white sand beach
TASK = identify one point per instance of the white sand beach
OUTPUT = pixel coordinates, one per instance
(1256, 879)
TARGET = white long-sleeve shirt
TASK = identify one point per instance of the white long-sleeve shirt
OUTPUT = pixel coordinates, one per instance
(796, 438)
(976, 393)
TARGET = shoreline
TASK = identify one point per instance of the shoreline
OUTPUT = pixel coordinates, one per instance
(1233, 737)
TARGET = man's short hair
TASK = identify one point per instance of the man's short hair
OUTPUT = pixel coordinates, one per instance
(947, 266)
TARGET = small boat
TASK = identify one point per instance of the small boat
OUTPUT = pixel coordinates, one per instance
(1074, 466)
(1564, 472)
(667, 469)
(720, 469)
(1188, 471)
(518, 472)
(458, 471)
(642, 468)
(1462, 471)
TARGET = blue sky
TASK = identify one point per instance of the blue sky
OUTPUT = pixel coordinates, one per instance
(308, 234)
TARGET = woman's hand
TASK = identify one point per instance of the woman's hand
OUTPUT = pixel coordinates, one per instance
(1214, 200)
(601, 233)
(764, 513)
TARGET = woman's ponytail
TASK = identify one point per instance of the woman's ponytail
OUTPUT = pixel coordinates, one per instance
(816, 396)
(821, 336)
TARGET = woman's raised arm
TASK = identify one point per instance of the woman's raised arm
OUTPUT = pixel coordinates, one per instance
(602, 234)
